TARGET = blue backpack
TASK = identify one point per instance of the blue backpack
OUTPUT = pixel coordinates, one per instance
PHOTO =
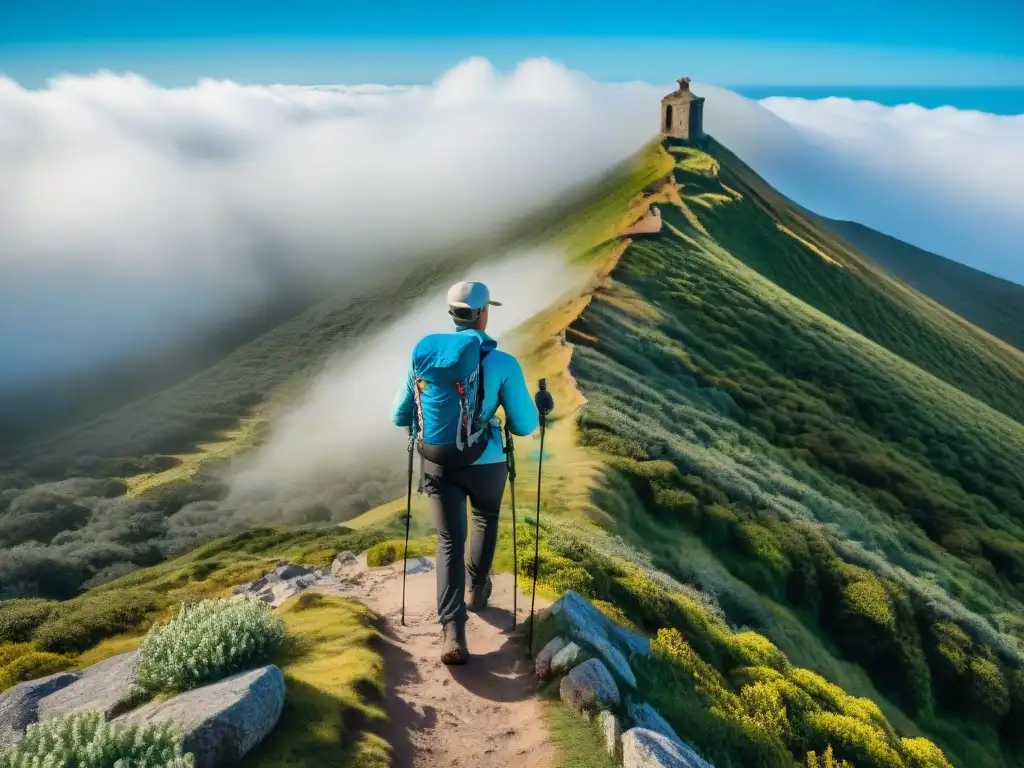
(448, 383)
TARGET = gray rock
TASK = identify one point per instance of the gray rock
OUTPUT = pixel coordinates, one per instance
(612, 732)
(289, 571)
(643, 715)
(633, 642)
(344, 561)
(591, 628)
(418, 565)
(19, 706)
(614, 659)
(642, 748)
(542, 664)
(568, 657)
(589, 687)
(222, 722)
(106, 686)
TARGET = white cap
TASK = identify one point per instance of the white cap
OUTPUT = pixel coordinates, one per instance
(470, 295)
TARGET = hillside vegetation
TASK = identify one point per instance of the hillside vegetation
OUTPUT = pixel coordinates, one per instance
(992, 303)
(803, 479)
(834, 458)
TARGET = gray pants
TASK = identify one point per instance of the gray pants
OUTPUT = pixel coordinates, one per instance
(447, 491)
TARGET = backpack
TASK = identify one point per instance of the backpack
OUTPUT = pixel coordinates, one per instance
(448, 380)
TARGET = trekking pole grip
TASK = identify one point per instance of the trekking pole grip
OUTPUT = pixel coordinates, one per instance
(543, 400)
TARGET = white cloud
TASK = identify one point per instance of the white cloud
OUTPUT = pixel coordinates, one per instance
(946, 180)
(131, 213)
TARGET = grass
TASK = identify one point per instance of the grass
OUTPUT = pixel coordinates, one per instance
(113, 619)
(773, 435)
(579, 742)
(989, 302)
(803, 477)
(335, 682)
(232, 441)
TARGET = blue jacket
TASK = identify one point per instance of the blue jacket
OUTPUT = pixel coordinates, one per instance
(504, 385)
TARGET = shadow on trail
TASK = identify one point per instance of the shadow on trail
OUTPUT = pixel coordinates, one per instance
(501, 675)
(403, 719)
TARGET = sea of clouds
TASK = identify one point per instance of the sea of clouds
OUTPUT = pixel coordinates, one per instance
(131, 214)
(946, 180)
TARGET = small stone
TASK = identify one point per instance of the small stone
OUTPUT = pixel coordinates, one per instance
(542, 665)
(643, 715)
(343, 562)
(567, 658)
(642, 748)
(612, 732)
(590, 686)
(416, 565)
(290, 571)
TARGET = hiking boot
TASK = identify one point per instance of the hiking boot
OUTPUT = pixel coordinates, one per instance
(478, 596)
(453, 643)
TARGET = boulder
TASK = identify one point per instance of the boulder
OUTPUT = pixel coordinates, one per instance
(568, 657)
(542, 664)
(589, 687)
(612, 732)
(19, 706)
(614, 659)
(222, 722)
(342, 562)
(642, 748)
(589, 627)
(643, 715)
(633, 642)
(106, 686)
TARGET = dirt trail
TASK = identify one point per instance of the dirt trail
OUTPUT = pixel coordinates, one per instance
(481, 715)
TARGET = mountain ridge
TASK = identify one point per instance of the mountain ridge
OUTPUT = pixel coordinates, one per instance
(765, 459)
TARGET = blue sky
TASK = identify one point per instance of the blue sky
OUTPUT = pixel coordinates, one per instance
(732, 42)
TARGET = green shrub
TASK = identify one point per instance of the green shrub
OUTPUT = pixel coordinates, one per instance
(21, 661)
(827, 760)
(81, 623)
(854, 739)
(749, 649)
(388, 552)
(87, 740)
(20, 618)
(921, 753)
(207, 641)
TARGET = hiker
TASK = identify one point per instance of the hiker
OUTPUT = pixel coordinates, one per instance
(455, 384)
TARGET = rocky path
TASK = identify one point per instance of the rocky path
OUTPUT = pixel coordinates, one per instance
(481, 715)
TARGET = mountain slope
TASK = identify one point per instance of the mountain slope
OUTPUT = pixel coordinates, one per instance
(989, 302)
(787, 433)
(801, 477)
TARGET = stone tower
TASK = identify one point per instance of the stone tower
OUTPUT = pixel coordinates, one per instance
(682, 114)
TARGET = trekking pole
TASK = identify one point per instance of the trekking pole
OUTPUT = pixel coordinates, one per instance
(510, 460)
(545, 404)
(408, 520)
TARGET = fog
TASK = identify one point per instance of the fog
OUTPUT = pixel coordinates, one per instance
(343, 423)
(132, 214)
